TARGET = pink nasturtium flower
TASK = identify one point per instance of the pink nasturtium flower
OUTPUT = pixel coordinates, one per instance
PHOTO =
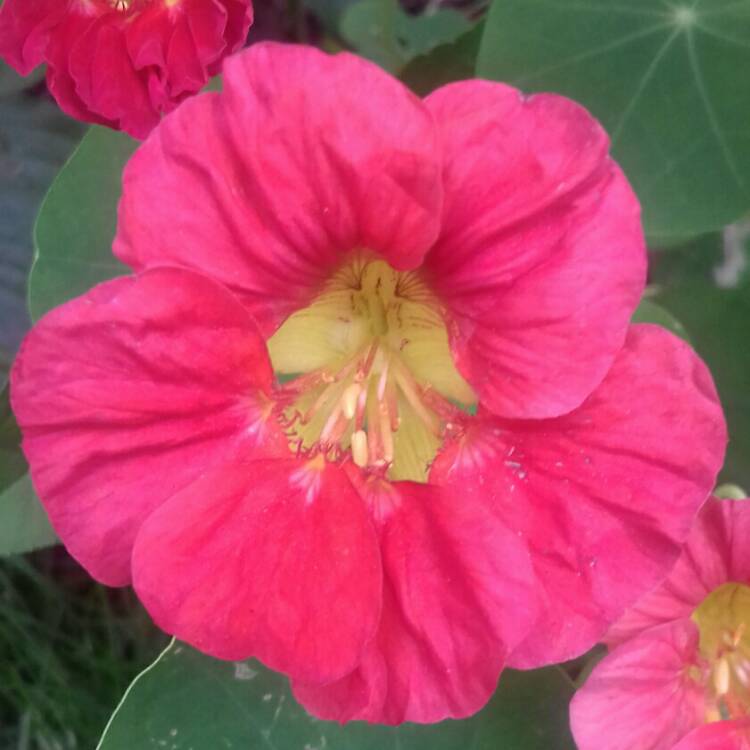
(122, 63)
(404, 264)
(678, 674)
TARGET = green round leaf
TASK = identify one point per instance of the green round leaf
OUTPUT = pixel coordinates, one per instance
(650, 312)
(23, 522)
(12, 462)
(35, 140)
(381, 31)
(454, 61)
(187, 700)
(76, 223)
(665, 79)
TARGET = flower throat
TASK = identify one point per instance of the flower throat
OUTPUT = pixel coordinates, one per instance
(373, 377)
(723, 619)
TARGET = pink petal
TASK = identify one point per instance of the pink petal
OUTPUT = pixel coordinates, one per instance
(271, 559)
(25, 29)
(541, 260)
(723, 735)
(239, 20)
(641, 696)
(129, 393)
(268, 185)
(72, 31)
(457, 595)
(604, 496)
(717, 551)
(104, 77)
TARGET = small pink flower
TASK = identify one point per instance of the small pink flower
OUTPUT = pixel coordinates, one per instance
(681, 656)
(122, 63)
(354, 527)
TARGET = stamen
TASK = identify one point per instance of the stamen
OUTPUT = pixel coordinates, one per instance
(721, 676)
(359, 417)
(331, 422)
(391, 399)
(364, 370)
(742, 671)
(373, 375)
(374, 438)
(383, 379)
(350, 399)
(385, 432)
(317, 406)
(410, 389)
(359, 448)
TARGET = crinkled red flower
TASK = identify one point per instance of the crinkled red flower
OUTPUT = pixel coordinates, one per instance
(122, 63)
(409, 263)
(678, 677)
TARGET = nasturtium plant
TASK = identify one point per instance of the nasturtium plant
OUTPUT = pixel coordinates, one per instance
(363, 367)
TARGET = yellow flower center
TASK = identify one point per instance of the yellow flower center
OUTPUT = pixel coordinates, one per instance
(723, 619)
(373, 379)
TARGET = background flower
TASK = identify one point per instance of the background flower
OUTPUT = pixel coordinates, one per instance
(122, 63)
(681, 656)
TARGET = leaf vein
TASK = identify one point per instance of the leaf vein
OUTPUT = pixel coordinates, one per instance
(710, 111)
(643, 84)
(622, 42)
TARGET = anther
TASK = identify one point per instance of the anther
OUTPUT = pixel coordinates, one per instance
(359, 448)
(350, 398)
(721, 676)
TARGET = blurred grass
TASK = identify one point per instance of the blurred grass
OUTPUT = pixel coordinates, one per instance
(68, 650)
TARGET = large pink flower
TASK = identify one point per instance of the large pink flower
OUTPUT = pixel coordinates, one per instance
(681, 657)
(407, 262)
(122, 63)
